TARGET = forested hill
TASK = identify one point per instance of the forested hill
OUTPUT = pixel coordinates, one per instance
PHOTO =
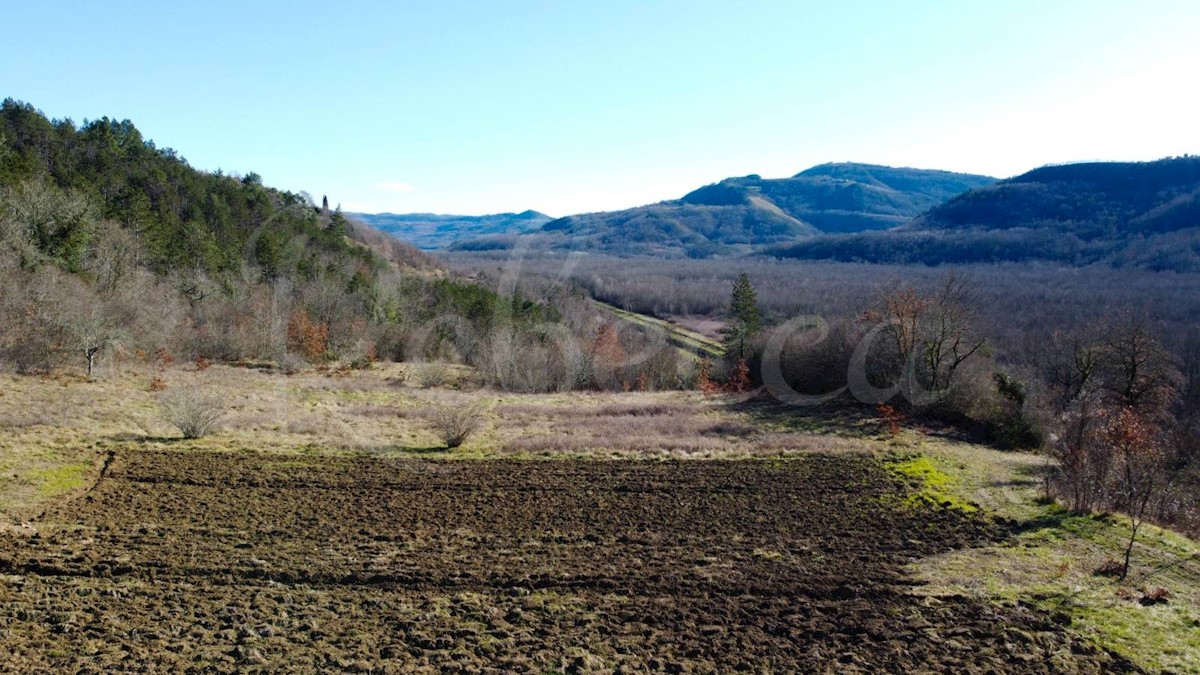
(430, 232)
(739, 214)
(104, 172)
(1126, 213)
(1101, 199)
(108, 241)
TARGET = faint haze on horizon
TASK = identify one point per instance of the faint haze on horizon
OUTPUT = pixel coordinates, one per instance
(480, 107)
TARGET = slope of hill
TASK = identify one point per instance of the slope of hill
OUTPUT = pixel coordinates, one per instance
(739, 214)
(110, 244)
(429, 231)
(1130, 213)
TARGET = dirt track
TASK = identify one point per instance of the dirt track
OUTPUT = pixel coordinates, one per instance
(181, 561)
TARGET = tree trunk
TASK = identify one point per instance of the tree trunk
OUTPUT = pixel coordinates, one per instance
(1129, 548)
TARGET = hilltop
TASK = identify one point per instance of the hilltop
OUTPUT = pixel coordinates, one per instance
(739, 214)
(431, 231)
(1132, 213)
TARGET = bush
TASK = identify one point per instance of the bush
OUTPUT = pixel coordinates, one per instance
(435, 375)
(455, 422)
(194, 412)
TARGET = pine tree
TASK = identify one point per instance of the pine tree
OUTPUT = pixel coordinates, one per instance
(745, 318)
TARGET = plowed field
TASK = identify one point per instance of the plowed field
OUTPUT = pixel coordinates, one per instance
(181, 561)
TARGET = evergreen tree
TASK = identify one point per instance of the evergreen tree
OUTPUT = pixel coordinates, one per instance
(745, 318)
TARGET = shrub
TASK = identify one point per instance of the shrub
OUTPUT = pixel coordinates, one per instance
(196, 413)
(892, 419)
(292, 364)
(456, 421)
(306, 336)
(435, 375)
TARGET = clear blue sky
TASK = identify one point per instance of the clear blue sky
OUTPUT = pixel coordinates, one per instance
(476, 107)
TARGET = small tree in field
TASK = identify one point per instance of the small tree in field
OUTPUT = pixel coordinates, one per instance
(892, 419)
(93, 332)
(1140, 468)
(307, 337)
(1084, 455)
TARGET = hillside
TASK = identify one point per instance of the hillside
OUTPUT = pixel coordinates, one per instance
(111, 245)
(739, 214)
(77, 189)
(430, 232)
(1129, 213)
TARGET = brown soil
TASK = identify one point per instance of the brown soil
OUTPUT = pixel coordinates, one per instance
(201, 562)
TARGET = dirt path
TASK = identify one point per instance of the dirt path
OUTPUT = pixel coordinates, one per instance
(214, 561)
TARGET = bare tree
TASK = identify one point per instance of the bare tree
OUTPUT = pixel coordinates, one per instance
(1140, 372)
(93, 330)
(928, 336)
(1069, 364)
(1084, 455)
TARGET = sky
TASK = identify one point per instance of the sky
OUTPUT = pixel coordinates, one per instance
(575, 106)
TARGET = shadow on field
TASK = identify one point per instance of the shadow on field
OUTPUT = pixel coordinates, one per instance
(404, 451)
(143, 438)
(841, 416)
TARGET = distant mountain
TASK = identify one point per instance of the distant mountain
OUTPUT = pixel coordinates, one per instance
(741, 214)
(1127, 213)
(431, 231)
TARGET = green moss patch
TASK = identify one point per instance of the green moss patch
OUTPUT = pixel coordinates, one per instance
(932, 484)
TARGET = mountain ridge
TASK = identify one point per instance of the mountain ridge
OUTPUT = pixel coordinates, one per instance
(1126, 213)
(739, 214)
(435, 231)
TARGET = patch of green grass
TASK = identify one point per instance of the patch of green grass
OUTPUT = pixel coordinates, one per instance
(59, 480)
(1050, 560)
(933, 484)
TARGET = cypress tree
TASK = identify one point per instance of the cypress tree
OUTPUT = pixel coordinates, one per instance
(745, 318)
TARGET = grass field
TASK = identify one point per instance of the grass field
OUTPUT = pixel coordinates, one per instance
(326, 527)
(686, 340)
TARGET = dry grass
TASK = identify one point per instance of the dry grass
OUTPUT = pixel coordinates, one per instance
(65, 421)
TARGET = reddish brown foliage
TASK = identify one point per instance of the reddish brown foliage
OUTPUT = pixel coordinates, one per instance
(607, 345)
(163, 358)
(740, 381)
(893, 420)
(307, 337)
(608, 357)
(704, 380)
(642, 383)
